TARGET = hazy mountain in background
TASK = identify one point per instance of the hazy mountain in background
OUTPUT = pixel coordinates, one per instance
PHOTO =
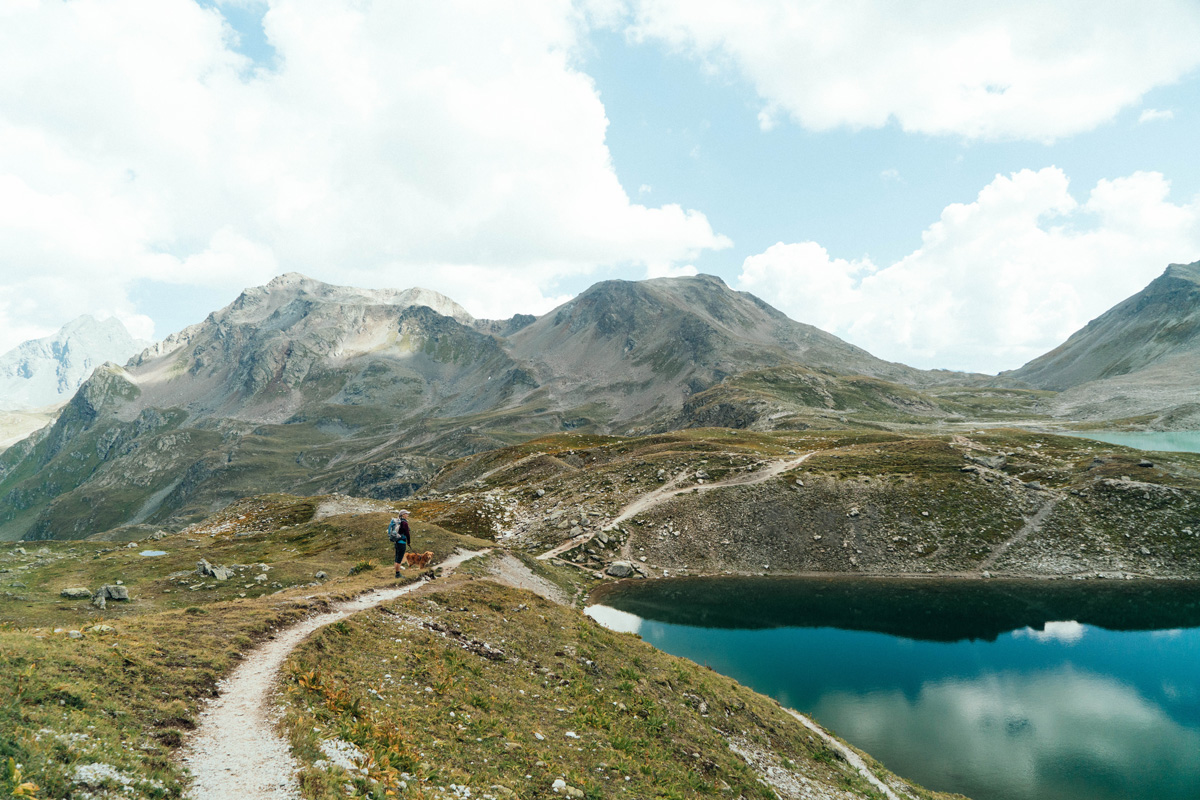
(1141, 358)
(46, 372)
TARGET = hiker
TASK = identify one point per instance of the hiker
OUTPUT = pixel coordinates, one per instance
(398, 535)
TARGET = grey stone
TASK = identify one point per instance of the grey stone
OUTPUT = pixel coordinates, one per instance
(112, 592)
(76, 593)
(98, 601)
(1145, 462)
(321, 575)
(209, 571)
(620, 569)
(991, 462)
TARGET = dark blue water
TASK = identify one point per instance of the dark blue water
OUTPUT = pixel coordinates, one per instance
(1064, 691)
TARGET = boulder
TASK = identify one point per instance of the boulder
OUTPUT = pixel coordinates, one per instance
(207, 570)
(76, 593)
(991, 462)
(620, 569)
(112, 592)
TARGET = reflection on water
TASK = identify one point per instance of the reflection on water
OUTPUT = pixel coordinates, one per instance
(1068, 632)
(1053, 706)
(1056, 733)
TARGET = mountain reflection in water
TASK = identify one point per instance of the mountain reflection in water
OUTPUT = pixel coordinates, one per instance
(931, 610)
(1000, 690)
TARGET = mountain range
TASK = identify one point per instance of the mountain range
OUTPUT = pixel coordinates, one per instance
(309, 388)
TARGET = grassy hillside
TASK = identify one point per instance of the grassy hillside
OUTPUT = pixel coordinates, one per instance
(499, 691)
(1001, 501)
(97, 702)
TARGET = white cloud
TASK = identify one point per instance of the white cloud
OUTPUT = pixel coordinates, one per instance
(1025, 69)
(395, 143)
(1067, 632)
(1154, 115)
(995, 282)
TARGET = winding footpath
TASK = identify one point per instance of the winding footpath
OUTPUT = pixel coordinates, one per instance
(671, 489)
(235, 753)
(1032, 524)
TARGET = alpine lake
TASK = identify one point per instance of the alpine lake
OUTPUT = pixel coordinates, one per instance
(996, 689)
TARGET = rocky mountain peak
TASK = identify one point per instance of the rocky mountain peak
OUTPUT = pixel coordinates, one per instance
(47, 371)
(260, 302)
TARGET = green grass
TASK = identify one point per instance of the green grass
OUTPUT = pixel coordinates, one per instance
(127, 691)
(486, 686)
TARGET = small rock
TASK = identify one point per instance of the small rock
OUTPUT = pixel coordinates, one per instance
(558, 786)
(540, 492)
(75, 634)
(321, 575)
(1144, 550)
(102, 629)
(76, 593)
(99, 602)
(1145, 463)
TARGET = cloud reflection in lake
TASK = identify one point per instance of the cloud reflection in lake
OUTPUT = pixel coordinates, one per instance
(1013, 735)
(1068, 632)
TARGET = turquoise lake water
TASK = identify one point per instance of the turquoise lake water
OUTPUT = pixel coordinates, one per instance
(999, 690)
(1174, 441)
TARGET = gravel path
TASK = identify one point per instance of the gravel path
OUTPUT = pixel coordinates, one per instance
(671, 489)
(1031, 525)
(235, 754)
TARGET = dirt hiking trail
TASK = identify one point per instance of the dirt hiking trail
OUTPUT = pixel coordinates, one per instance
(672, 489)
(235, 754)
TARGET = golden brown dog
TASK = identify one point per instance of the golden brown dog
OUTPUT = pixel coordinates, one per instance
(418, 560)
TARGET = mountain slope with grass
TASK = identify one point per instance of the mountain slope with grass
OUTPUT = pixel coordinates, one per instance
(465, 683)
(988, 502)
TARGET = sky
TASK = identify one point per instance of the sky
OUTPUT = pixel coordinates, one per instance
(946, 184)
